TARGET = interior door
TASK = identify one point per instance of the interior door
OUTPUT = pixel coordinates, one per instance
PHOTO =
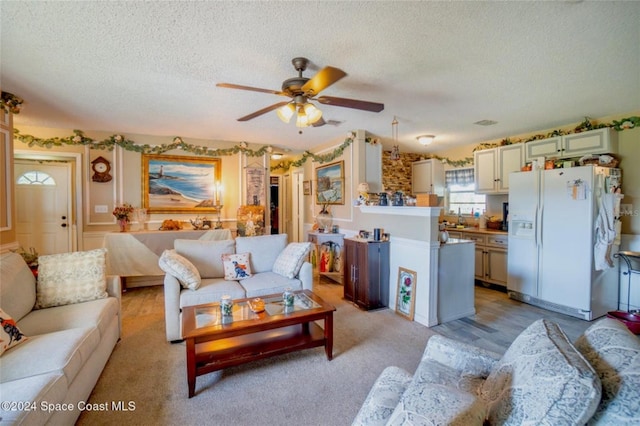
(297, 207)
(43, 205)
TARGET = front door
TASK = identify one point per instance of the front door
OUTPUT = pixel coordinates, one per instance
(42, 206)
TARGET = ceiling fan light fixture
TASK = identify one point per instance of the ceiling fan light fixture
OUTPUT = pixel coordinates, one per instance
(286, 112)
(313, 113)
(425, 139)
(302, 120)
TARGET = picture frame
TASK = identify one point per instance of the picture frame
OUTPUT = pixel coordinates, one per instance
(405, 295)
(306, 187)
(330, 183)
(181, 184)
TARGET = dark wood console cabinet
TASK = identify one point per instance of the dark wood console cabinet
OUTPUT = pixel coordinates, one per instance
(366, 273)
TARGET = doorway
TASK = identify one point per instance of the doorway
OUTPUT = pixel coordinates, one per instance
(274, 196)
(43, 205)
(72, 163)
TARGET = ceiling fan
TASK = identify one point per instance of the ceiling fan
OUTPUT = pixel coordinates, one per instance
(301, 90)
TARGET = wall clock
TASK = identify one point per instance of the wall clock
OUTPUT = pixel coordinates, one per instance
(101, 168)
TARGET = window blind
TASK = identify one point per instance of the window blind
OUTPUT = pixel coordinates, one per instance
(459, 176)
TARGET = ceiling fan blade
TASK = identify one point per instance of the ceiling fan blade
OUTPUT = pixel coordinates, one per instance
(323, 79)
(253, 89)
(351, 103)
(262, 111)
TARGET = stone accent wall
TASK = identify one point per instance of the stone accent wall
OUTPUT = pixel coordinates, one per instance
(396, 175)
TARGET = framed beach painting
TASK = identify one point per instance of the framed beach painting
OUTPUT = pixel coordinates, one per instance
(180, 184)
(330, 184)
(406, 294)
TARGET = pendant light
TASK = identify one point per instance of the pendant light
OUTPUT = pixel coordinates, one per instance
(395, 152)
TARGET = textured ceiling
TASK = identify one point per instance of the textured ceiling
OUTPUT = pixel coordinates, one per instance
(152, 67)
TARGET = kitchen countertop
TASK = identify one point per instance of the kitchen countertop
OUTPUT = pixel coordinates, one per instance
(452, 241)
(478, 230)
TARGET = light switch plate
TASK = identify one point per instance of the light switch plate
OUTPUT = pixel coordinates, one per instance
(101, 208)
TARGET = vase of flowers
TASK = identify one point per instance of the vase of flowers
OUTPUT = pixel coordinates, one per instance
(123, 215)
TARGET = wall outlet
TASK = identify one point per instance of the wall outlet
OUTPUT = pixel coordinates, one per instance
(626, 209)
(101, 208)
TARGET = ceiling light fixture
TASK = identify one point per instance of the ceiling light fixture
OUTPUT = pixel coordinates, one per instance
(306, 112)
(425, 139)
(276, 156)
(286, 112)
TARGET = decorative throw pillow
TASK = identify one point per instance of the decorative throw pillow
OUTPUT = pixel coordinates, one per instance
(236, 266)
(10, 334)
(290, 260)
(180, 267)
(541, 379)
(69, 278)
(614, 352)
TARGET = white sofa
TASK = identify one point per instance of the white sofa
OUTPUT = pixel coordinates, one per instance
(47, 378)
(206, 256)
(541, 379)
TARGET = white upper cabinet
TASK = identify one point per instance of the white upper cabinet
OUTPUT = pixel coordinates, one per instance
(599, 141)
(427, 177)
(492, 167)
(484, 164)
(551, 147)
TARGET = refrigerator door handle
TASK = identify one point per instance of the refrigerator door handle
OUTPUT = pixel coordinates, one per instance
(540, 208)
(539, 212)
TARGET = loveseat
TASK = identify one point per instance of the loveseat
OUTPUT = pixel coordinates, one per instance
(195, 272)
(56, 338)
(541, 379)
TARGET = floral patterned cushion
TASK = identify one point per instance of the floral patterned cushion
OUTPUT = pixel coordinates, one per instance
(435, 402)
(181, 268)
(10, 334)
(68, 278)
(383, 397)
(541, 379)
(290, 260)
(236, 266)
(614, 352)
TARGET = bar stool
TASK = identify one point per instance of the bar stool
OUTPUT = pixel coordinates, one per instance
(632, 260)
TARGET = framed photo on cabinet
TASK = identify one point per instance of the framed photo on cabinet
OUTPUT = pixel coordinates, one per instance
(405, 296)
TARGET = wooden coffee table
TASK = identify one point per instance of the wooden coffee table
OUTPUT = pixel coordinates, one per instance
(215, 342)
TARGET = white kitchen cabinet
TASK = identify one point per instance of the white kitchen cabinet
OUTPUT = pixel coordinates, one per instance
(492, 168)
(547, 148)
(455, 281)
(599, 141)
(427, 177)
(490, 256)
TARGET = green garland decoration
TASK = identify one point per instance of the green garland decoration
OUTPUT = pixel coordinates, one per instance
(587, 124)
(112, 141)
(10, 102)
(467, 161)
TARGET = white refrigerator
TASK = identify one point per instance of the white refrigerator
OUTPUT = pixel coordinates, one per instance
(550, 261)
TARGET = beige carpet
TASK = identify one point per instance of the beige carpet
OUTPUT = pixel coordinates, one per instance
(301, 388)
